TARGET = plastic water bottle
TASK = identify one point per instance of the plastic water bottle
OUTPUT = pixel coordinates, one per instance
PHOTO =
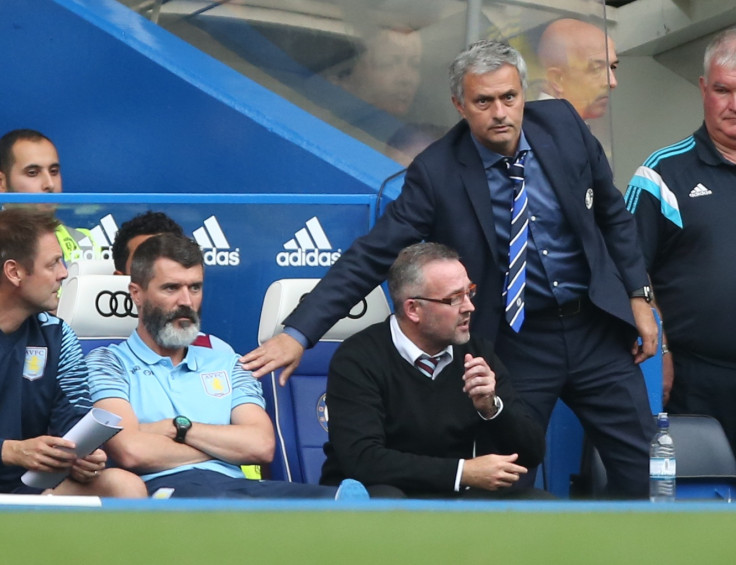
(662, 464)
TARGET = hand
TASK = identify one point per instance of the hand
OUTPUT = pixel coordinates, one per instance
(281, 350)
(480, 385)
(668, 377)
(647, 326)
(42, 453)
(88, 469)
(491, 472)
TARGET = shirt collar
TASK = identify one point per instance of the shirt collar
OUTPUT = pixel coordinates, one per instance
(707, 151)
(150, 357)
(407, 348)
(491, 158)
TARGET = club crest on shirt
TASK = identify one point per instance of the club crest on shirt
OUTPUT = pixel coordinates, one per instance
(216, 384)
(35, 363)
(589, 198)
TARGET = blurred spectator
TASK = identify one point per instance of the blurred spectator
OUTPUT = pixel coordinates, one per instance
(411, 140)
(579, 64)
(385, 72)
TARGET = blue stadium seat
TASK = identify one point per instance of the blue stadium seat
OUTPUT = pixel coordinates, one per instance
(298, 409)
(98, 308)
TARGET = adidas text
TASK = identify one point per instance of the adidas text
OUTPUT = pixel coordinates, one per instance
(313, 258)
(222, 257)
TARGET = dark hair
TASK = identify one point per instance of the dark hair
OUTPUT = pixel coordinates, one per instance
(148, 223)
(178, 248)
(20, 230)
(406, 276)
(8, 141)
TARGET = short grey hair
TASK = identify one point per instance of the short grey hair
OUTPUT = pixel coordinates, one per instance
(482, 57)
(721, 51)
(406, 275)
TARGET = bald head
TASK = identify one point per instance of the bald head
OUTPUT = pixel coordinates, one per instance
(579, 63)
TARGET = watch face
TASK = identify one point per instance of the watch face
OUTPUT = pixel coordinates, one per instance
(182, 421)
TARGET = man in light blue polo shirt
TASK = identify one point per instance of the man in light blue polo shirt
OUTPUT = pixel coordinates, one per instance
(191, 415)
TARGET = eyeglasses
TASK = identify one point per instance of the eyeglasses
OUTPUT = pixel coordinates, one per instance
(454, 299)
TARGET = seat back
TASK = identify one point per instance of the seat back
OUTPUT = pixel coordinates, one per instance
(298, 410)
(98, 308)
(706, 466)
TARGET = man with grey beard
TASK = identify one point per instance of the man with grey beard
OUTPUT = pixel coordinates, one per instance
(191, 415)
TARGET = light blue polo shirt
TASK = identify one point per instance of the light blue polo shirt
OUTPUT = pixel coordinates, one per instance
(205, 387)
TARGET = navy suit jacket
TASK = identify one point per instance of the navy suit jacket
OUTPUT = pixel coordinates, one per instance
(446, 199)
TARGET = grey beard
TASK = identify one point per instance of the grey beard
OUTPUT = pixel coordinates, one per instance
(171, 337)
(162, 329)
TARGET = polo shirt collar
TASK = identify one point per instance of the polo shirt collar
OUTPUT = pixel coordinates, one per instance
(150, 357)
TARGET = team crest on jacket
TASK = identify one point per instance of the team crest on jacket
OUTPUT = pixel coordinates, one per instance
(35, 363)
(216, 384)
(589, 198)
(322, 416)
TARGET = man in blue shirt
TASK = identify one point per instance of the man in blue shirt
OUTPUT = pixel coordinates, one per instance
(191, 415)
(43, 380)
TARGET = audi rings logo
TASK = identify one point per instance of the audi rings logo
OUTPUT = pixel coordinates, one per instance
(362, 307)
(118, 304)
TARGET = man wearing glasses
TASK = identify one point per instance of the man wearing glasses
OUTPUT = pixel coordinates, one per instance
(420, 409)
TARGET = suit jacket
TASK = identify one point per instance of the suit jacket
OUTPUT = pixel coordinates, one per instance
(445, 198)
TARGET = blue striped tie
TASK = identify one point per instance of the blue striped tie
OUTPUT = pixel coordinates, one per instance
(516, 275)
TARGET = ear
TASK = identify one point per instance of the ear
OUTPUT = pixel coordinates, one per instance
(412, 310)
(14, 272)
(555, 81)
(136, 293)
(458, 106)
(701, 82)
(3, 182)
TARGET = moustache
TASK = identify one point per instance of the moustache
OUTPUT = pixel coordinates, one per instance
(183, 312)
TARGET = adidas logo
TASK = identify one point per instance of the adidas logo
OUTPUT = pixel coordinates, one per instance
(215, 245)
(103, 235)
(308, 248)
(700, 190)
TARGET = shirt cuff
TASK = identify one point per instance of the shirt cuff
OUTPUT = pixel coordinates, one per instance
(459, 475)
(297, 335)
(499, 407)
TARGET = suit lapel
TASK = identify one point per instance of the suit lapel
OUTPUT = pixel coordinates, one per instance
(476, 185)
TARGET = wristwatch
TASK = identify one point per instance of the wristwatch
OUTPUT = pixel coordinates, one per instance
(182, 425)
(644, 292)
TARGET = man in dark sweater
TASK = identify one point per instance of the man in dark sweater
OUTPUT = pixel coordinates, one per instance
(417, 406)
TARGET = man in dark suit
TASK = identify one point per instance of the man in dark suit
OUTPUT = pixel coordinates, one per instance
(581, 298)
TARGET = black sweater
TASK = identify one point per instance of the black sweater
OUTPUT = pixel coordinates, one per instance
(390, 424)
